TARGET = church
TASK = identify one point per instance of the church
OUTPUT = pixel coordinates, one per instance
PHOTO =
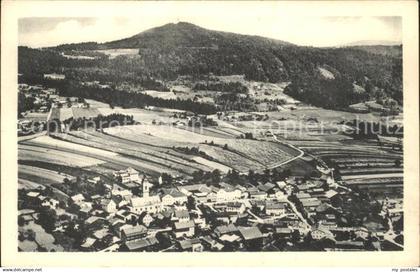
(146, 203)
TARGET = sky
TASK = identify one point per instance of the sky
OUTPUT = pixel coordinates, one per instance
(308, 31)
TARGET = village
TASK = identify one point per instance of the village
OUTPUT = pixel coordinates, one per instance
(123, 204)
(137, 213)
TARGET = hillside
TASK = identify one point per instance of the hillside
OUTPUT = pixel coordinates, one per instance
(173, 50)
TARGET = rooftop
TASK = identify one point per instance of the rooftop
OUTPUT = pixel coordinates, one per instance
(140, 229)
(143, 243)
(184, 225)
(187, 244)
(250, 233)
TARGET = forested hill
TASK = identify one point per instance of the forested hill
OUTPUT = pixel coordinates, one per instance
(327, 77)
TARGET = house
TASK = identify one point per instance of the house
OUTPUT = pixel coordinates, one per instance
(173, 196)
(322, 233)
(50, 202)
(229, 238)
(225, 229)
(133, 233)
(283, 232)
(128, 175)
(274, 208)
(252, 237)
(125, 215)
(109, 205)
(310, 203)
(281, 184)
(184, 229)
(181, 216)
(145, 244)
(228, 194)
(101, 233)
(89, 244)
(301, 196)
(93, 220)
(125, 194)
(33, 194)
(118, 227)
(236, 207)
(96, 198)
(211, 244)
(267, 187)
(200, 222)
(250, 233)
(193, 245)
(85, 205)
(146, 219)
(327, 220)
(330, 193)
(230, 191)
(255, 194)
(150, 204)
(279, 194)
(199, 191)
(362, 233)
(78, 199)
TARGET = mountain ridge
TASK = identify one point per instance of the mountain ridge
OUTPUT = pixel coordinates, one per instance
(173, 50)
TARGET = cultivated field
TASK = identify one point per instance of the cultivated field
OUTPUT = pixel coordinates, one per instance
(40, 175)
(239, 154)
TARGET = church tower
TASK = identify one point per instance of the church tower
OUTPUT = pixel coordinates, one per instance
(146, 187)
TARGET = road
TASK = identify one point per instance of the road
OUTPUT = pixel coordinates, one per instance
(301, 153)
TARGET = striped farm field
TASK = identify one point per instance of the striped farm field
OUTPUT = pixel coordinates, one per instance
(239, 154)
(41, 175)
(35, 153)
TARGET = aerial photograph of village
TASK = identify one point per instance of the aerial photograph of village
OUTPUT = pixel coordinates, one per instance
(182, 136)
